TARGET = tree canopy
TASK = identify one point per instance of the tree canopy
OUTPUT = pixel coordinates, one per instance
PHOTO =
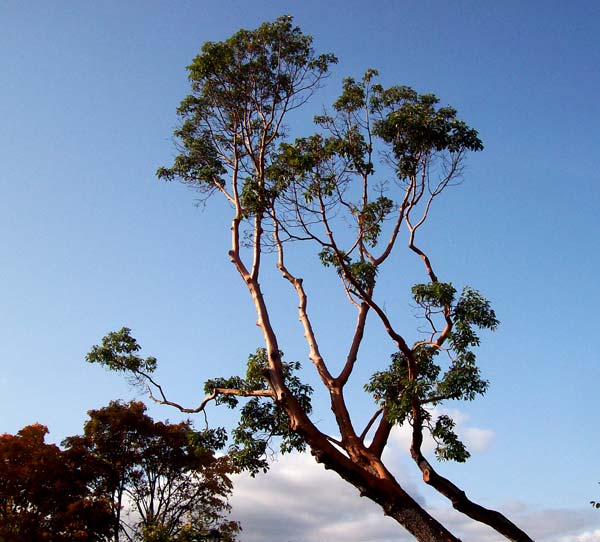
(365, 180)
(163, 481)
(127, 478)
(45, 492)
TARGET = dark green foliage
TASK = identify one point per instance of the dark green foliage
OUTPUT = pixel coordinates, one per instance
(434, 294)
(118, 352)
(360, 273)
(305, 167)
(430, 386)
(200, 165)
(255, 198)
(261, 420)
(394, 389)
(372, 216)
(471, 310)
(241, 88)
(416, 127)
(166, 473)
(448, 447)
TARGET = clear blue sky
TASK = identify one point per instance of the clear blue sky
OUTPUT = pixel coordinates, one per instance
(90, 241)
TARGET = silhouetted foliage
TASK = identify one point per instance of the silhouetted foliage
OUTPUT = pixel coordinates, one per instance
(128, 478)
(45, 493)
(163, 480)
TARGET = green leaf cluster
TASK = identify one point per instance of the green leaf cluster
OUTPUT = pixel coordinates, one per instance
(256, 198)
(434, 294)
(462, 380)
(261, 419)
(200, 164)
(413, 124)
(472, 310)
(416, 127)
(118, 352)
(448, 446)
(394, 389)
(257, 65)
(371, 218)
(241, 87)
(307, 165)
(361, 272)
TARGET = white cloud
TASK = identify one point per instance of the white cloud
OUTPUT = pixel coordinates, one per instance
(476, 439)
(299, 501)
(587, 536)
(561, 524)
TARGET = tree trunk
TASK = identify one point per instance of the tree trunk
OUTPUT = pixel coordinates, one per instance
(388, 494)
(372, 480)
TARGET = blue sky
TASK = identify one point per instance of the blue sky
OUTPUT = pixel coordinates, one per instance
(91, 241)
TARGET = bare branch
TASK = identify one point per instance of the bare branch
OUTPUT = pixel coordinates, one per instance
(150, 383)
(356, 341)
(373, 419)
(381, 437)
(458, 497)
(314, 354)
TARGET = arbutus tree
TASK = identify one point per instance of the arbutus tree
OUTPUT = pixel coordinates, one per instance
(363, 182)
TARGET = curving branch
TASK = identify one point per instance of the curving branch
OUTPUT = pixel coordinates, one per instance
(370, 423)
(338, 404)
(150, 383)
(382, 435)
(357, 338)
(458, 497)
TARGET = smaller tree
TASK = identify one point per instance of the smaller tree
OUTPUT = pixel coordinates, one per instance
(163, 480)
(44, 493)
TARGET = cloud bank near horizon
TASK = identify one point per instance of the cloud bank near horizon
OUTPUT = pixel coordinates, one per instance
(299, 501)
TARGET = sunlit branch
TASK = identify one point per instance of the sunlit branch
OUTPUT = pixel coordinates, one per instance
(222, 189)
(257, 249)
(367, 297)
(314, 354)
(150, 383)
(334, 441)
(381, 437)
(373, 419)
(458, 497)
(392, 241)
(337, 401)
(354, 347)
